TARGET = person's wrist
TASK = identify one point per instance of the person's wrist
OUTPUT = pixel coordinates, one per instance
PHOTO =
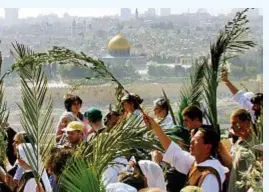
(226, 81)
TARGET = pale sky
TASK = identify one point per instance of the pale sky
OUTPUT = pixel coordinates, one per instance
(95, 12)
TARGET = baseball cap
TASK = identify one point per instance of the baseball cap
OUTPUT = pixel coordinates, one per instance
(192, 189)
(93, 114)
(74, 126)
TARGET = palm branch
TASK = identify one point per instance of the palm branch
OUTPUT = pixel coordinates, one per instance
(93, 158)
(169, 107)
(121, 140)
(4, 114)
(63, 56)
(1, 62)
(80, 177)
(191, 93)
(228, 42)
(36, 108)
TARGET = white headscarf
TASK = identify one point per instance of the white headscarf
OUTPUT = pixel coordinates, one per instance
(154, 174)
(27, 148)
(120, 187)
(111, 173)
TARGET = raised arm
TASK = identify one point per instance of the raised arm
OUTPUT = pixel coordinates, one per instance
(163, 138)
(173, 155)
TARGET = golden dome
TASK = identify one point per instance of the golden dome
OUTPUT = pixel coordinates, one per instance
(118, 43)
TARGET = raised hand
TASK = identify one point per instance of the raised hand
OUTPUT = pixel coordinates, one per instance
(224, 74)
(149, 121)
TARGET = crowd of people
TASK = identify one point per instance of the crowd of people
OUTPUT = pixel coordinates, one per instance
(200, 161)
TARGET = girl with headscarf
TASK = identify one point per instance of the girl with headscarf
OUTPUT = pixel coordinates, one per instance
(28, 182)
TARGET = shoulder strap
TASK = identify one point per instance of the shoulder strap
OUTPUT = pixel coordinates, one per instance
(209, 170)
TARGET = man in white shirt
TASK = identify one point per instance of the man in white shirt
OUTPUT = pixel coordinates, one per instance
(202, 170)
(251, 102)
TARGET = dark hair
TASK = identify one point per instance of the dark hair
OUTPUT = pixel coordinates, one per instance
(28, 138)
(257, 99)
(58, 160)
(132, 179)
(133, 98)
(242, 114)
(193, 112)
(70, 100)
(162, 103)
(210, 137)
(109, 115)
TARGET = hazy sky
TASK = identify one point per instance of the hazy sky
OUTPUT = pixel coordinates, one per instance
(95, 12)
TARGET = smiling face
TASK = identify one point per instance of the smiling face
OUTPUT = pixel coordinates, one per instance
(238, 127)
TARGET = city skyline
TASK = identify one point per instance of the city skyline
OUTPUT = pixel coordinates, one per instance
(99, 12)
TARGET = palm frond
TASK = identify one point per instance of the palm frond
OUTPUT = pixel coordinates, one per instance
(169, 107)
(80, 177)
(36, 108)
(183, 103)
(93, 158)
(4, 114)
(228, 42)
(20, 50)
(121, 140)
(192, 92)
(64, 56)
(197, 81)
